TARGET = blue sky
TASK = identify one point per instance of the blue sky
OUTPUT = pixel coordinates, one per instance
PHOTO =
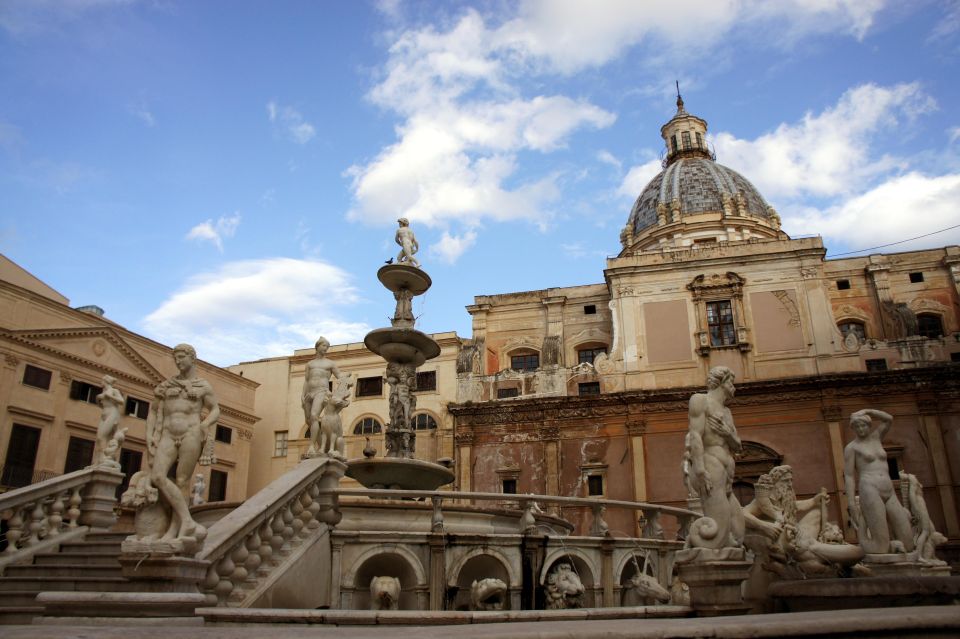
(230, 173)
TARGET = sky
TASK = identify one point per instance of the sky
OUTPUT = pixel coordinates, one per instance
(230, 173)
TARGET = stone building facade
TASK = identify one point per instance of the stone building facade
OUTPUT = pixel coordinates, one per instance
(583, 390)
(54, 358)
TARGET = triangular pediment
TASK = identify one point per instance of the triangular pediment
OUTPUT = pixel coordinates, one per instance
(99, 347)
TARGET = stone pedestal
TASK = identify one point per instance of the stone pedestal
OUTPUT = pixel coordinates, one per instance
(715, 578)
(99, 499)
(864, 592)
(904, 565)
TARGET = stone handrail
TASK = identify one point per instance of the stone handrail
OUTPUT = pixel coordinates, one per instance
(246, 547)
(36, 515)
(651, 527)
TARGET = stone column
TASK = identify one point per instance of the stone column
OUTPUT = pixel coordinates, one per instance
(464, 442)
(831, 415)
(878, 274)
(636, 428)
(952, 262)
(930, 419)
(606, 572)
(336, 568)
(99, 498)
(438, 571)
(550, 436)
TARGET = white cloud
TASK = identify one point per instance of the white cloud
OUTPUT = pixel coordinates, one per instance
(609, 158)
(451, 247)
(257, 308)
(291, 122)
(141, 110)
(465, 120)
(826, 154)
(215, 232)
(902, 207)
(953, 134)
(638, 177)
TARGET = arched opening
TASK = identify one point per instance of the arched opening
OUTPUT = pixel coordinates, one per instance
(856, 327)
(386, 565)
(929, 325)
(524, 360)
(368, 426)
(477, 568)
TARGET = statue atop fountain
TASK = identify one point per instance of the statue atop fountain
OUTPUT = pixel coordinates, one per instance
(405, 349)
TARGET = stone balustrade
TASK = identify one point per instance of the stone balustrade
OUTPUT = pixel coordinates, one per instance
(253, 543)
(36, 516)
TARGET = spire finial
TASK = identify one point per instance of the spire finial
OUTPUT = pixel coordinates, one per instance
(679, 99)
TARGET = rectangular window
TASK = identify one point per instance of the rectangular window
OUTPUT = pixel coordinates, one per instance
(843, 285)
(138, 408)
(590, 309)
(84, 392)
(509, 487)
(874, 365)
(595, 485)
(280, 443)
(505, 393)
(224, 434)
(673, 142)
(130, 461)
(369, 387)
(36, 377)
(720, 323)
(21, 456)
(916, 278)
(589, 388)
(685, 136)
(218, 486)
(699, 140)
(79, 454)
(427, 381)
(587, 355)
(528, 362)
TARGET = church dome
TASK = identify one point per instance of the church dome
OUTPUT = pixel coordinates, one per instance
(695, 200)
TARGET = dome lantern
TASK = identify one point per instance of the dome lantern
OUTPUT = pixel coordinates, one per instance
(685, 135)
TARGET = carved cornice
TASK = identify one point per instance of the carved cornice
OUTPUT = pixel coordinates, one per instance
(34, 340)
(831, 413)
(550, 432)
(26, 412)
(239, 415)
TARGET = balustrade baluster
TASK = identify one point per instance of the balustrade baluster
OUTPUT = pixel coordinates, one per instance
(55, 521)
(266, 548)
(239, 555)
(212, 579)
(436, 523)
(314, 507)
(296, 509)
(73, 512)
(36, 523)
(14, 530)
(253, 559)
(305, 515)
(224, 587)
(287, 527)
(276, 540)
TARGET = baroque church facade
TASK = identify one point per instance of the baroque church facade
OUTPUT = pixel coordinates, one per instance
(583, 390)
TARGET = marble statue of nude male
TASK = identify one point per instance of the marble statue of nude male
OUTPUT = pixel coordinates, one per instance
(316, 389)
(408, 244)
(178, 433)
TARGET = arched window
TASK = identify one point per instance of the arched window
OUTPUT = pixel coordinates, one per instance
(423, 421)
(586, 353)
(853, 326)
(367, 426)
(525, 360)
(929, 325)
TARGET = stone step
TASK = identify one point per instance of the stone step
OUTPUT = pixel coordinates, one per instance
(19, 615)
(58, 558)
(18, 598)
(92, 547)
(43, 584)
(79, 571)
(107, 536)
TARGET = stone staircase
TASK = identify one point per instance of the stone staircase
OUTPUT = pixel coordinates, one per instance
(91, 564)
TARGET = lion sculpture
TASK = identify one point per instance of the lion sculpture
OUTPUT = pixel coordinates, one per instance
(384, 593)
(487, 594)
(563, 588)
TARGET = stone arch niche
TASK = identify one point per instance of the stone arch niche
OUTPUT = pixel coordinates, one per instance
(477, 565)
(585, 567)
(392, 562)
(639, 560)
(753, 460)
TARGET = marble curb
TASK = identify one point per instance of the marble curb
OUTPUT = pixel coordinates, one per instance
(429, 618)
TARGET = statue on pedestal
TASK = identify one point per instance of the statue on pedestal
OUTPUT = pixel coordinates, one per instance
(178, 433)
(316, 390)
(408, 244)
(882, 523)
(109, 434)
(331, 426)
(711, 442)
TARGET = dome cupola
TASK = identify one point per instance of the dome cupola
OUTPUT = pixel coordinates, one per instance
(694, 201)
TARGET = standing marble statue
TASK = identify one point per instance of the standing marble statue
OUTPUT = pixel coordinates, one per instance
(196, 493)
(109, 431)
(882, 523)
(179, 431)
(711, 442)
(408, 244)
(316, 390)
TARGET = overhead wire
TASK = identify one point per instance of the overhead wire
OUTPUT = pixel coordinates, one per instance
(949, 228)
